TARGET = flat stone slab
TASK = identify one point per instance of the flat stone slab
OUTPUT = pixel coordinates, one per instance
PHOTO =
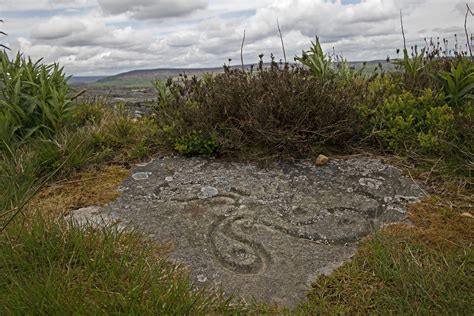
(263, 234)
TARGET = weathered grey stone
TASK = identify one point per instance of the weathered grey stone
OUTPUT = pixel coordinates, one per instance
(141, 176)
(95, 217)
(207, 192)
(263, 234)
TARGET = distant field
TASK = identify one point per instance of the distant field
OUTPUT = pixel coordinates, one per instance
(84, 79)
(123, 82)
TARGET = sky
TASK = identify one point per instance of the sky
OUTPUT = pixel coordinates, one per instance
(104, 37)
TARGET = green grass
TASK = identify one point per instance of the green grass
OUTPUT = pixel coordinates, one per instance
(49, 268)
(111, 137)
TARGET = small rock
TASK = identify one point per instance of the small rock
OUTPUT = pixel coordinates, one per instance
(466, 214)
(201, 278)
(141, 176)
(370, 183)
(93, 216)
(207, 192)
(321, 160)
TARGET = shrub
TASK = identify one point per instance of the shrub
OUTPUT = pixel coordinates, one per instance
(119, 136)
(427, 129)
(405, 122)
(89, 112)
(276, 111)
(33, 98)
(417, 73)
(196, 144)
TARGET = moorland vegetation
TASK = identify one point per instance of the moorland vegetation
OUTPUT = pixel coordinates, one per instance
(54, 146)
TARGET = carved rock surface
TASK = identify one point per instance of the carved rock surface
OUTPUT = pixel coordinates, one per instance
(263, 234)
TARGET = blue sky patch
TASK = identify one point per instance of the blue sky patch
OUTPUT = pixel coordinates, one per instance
(350, 1)
(45, 13)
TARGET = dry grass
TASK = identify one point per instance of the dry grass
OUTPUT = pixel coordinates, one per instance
(440, 222)
(86, 188)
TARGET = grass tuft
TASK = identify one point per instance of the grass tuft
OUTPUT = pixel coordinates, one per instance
(48, 267)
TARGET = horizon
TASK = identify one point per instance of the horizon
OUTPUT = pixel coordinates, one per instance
(201, 68)
(109, 37)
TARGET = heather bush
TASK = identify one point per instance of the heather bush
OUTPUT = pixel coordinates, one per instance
(278, 111)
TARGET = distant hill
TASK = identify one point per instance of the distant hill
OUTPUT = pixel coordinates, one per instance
(144, 77)
(84, 79)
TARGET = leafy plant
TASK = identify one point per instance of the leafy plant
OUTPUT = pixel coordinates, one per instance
(406, 122)
(89, 112)
(458, 83)
(318, 62)
(7, 127)
(196, 144)
(164, 95)
(18, 176)
(412, 67)
(34, 97)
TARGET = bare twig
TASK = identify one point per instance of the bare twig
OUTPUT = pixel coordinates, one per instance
(468, 11)
(78, 94)
(5, 34)
(65, 181)
(416, 183)
(403, 31)
(282, 43)
(242, 53)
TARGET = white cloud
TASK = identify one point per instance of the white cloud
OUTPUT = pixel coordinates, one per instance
(152, 9)
(110, 36)
(56, 28)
